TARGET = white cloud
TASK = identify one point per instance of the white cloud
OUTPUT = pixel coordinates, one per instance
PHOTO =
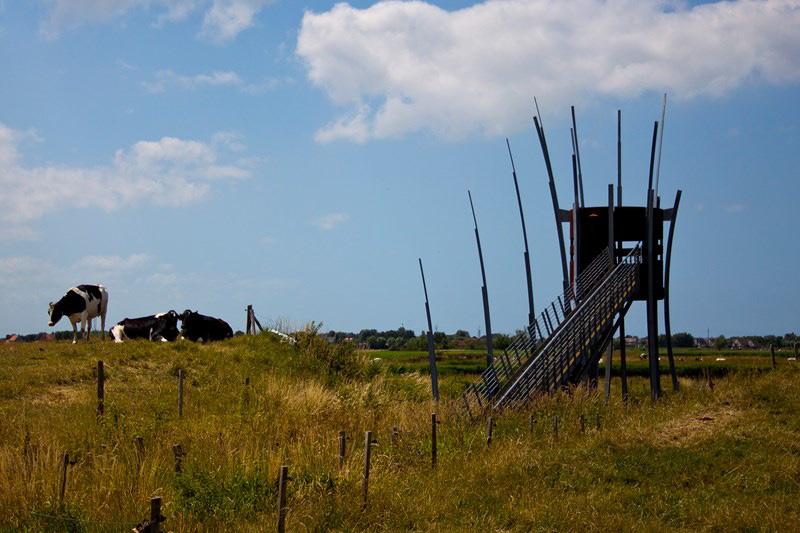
(401, 67)
(112, 263)
(167, 78)
(227, 18)
(330, 221)
(166, 172)
(223, 20)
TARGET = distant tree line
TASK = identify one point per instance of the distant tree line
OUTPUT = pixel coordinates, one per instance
(406, 339)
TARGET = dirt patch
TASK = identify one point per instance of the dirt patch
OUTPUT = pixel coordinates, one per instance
(696, 427)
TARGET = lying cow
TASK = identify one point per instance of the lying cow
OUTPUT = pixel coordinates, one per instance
(163, 326)
(81, 304)
(197, 327)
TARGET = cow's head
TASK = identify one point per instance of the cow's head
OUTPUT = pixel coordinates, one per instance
(54, 313)
(186, 314)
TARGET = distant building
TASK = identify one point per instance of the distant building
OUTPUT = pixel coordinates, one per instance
(11, 338)
(632, 340)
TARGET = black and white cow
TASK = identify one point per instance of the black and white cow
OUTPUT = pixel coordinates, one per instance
(197, 327)
(81, 304)
(162, 326)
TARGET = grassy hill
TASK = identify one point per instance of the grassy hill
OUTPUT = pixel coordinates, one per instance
(721, 459)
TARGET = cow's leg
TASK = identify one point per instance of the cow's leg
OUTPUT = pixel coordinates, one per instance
(89, 321)
(84, 319)
(74, 331)
(103, 324)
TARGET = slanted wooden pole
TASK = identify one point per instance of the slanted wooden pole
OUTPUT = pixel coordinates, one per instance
(282, 509)
(433, 440)
(101, 384)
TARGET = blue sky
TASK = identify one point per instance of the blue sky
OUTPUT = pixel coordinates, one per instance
(210, 154)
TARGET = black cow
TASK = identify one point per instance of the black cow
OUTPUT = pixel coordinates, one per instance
(197, 327)
(163, 326)
(81, 304)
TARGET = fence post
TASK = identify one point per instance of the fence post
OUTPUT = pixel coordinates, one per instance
(433, 440)
(367, 454)
(177, 452)
(180, 393)
(249, 326)
(489, 430)
(342, 444)
(284, 476)
(101, 381)
(772, 354)
(155, 515)
(63, 487)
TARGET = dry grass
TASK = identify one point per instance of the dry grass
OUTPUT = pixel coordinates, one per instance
(726, 459)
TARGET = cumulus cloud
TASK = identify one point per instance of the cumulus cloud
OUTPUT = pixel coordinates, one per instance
(223, 20)
(400, 67)
(330, 221)
(166, 172)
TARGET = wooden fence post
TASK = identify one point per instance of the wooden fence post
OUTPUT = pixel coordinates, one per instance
(63, 487)
(489, 431)
(282, 509)
(772, 354)
(367, 454)
(433, 440)
(155, 515)
(180, 393)
(177, 452)
(342, 446)
(101, 381)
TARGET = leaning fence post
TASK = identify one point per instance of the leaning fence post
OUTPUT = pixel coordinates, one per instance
(433, 440)
(342, 444)
(155, 515)
(489, 430)
(367, 454)
(101, 380)
(772, 354)
(284, 476)
(63, 487)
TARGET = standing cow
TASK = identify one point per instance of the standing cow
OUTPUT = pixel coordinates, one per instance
(81, 304)
(162, 326)
(197, 327)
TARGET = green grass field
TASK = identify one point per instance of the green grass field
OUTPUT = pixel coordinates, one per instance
(718, 460)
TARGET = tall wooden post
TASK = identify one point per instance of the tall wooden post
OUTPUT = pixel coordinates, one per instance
(431, 347)
(282, 509)
(155, 515)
